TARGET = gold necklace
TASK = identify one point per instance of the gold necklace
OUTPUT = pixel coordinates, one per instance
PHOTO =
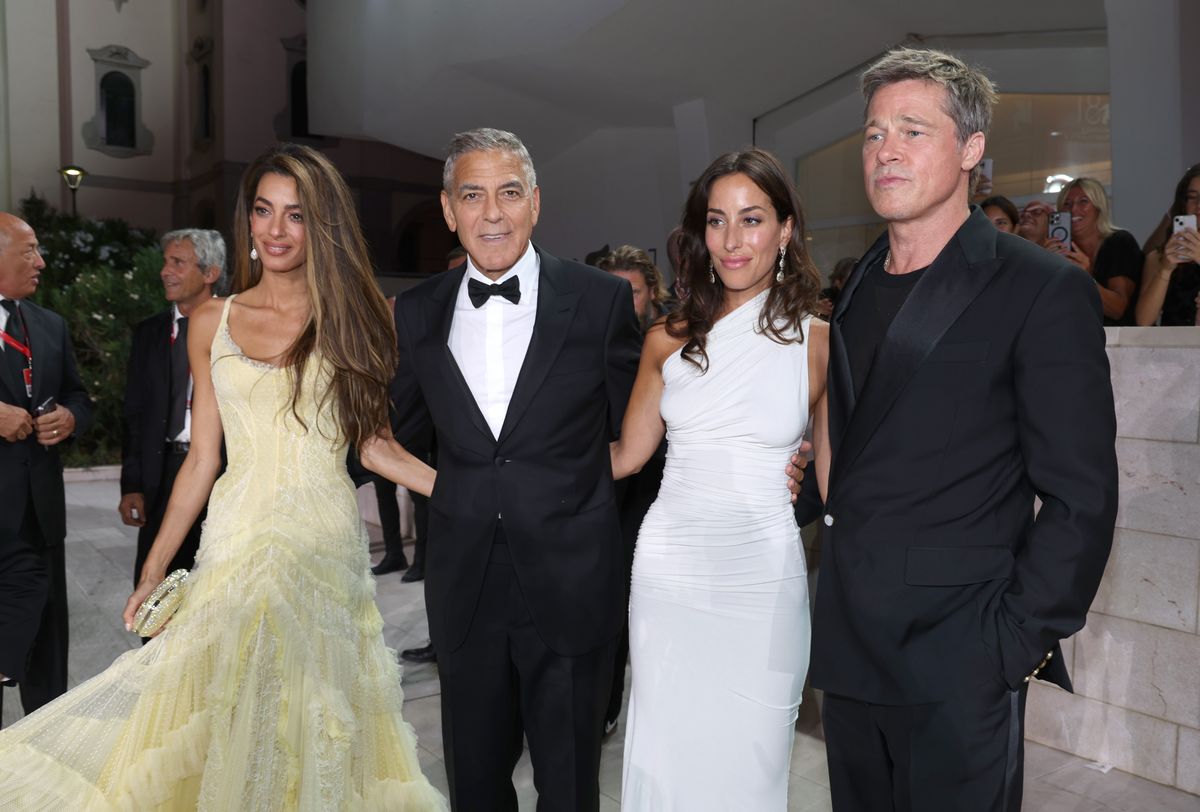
(887, 261)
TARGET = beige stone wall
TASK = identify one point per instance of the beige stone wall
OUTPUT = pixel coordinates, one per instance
(1136, 665)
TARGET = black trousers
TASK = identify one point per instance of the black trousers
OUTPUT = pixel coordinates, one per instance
(962, 754)
(185, 558)
(503, 681)
(23, 585)
(389, 517)
(46, 677)
(421, 520)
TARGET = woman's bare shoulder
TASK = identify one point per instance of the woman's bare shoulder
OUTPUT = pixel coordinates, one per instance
(207, 316)
(659, 343)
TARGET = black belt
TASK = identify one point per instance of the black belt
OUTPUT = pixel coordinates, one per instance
(176, 447)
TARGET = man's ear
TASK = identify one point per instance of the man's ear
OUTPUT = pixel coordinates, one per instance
(448, 213)
(972, 151)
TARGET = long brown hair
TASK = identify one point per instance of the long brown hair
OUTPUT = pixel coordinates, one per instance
(349, 323)
(788, 302)
(632, 258)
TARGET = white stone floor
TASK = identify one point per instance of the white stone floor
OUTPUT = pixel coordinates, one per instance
(100, 559)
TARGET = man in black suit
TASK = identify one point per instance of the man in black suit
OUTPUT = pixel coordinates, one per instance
(525, 362)
(158, 392)
(42, 403)
(967, 376)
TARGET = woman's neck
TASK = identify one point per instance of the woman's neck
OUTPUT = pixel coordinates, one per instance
(285, 292)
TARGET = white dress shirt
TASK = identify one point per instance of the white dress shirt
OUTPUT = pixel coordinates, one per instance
(4, 325)
(185, 436)
(489, 342)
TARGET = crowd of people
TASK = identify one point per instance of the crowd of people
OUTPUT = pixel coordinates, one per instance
(1153, 283)
(607, 476)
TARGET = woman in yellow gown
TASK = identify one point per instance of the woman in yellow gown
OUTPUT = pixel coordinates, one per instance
(271, 687)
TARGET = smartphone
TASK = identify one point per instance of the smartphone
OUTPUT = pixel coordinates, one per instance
(48, 405)
(1060, 228)
(1184, 222)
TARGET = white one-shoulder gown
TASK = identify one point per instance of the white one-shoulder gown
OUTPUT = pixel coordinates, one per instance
(719, 619)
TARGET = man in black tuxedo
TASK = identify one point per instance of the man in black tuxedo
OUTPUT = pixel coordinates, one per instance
(158, 392)
(525, 362)
(42, 403)
(967, 376)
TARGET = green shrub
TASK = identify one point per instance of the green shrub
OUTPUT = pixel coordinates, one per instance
(102, 277)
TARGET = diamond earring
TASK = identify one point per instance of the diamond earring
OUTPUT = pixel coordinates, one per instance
(253, 253)
(712, 277)
(779, 273)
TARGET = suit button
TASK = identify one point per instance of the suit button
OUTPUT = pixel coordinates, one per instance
(500, 462)
(828, 520)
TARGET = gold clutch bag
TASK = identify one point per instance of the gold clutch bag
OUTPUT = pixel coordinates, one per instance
(157, 609)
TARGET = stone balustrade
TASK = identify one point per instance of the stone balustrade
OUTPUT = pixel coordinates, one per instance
(1136, 665)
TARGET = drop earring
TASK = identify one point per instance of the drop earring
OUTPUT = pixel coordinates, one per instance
(779, 273)
(712, 277)
(253, 254)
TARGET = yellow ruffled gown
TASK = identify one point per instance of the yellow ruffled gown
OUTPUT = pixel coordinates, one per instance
(271, 688)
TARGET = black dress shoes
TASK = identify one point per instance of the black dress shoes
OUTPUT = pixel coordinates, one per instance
(415, 573)
(390, 564)
(424, 654)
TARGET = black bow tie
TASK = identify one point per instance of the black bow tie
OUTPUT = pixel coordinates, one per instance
(480, 292)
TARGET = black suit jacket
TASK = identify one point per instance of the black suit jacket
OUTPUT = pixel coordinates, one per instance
(992, 386)
(147, 407)
(548, 473)
(27, 469)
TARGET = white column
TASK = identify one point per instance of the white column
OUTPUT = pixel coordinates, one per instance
(1150, 149)
(703, 131)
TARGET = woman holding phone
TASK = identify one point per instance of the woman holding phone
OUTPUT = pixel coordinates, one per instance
(1171, 275)
(1110, 254)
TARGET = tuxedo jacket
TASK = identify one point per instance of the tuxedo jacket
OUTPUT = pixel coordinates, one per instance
(147, 407)
(991, 387)
(548, 473)
(29, 470)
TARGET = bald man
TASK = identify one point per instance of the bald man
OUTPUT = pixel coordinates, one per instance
(42, 404)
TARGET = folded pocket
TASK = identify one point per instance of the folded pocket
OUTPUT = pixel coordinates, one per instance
(956, 566)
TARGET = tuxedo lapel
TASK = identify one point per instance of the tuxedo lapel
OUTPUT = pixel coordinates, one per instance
(841, 377)
(158, 372)
(555, 306)
(45, 355)
(441, 317)
(957, 276)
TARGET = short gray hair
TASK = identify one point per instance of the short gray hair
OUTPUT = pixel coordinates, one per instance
(485, 139)
(970, 95)
(209, 246)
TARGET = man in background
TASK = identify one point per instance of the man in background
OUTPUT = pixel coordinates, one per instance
(42, 403)
(158, 392)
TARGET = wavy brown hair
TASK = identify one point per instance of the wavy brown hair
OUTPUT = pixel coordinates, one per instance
(349, 323)
(788, 302)
(632, 258)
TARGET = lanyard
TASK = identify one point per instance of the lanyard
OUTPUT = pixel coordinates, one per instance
(17, 345)
(27, 373)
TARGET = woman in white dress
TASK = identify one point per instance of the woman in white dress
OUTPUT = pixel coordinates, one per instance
(719, 617)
